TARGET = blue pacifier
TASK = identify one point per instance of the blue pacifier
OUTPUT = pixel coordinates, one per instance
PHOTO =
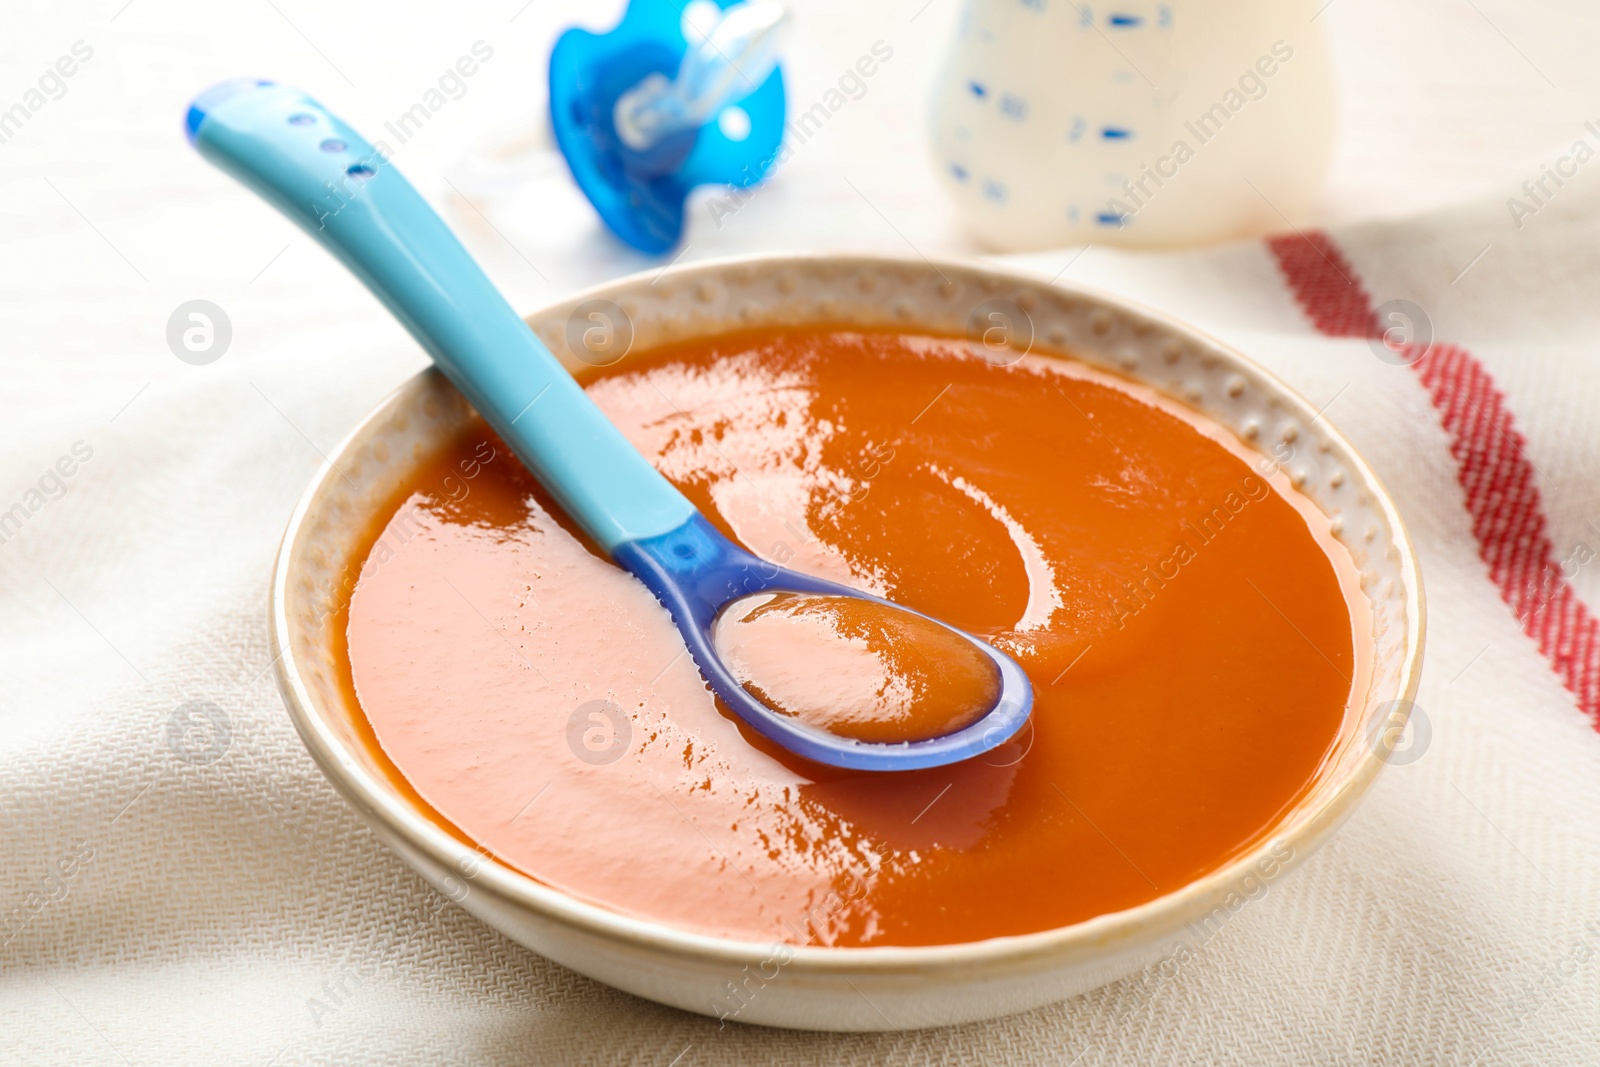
(671, 99)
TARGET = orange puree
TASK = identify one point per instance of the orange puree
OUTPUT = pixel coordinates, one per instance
(854, 667)
(1187, 619)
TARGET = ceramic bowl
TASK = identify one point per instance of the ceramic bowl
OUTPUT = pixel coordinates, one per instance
(850, 988)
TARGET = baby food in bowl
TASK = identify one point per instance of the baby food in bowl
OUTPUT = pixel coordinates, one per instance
(1195, 626)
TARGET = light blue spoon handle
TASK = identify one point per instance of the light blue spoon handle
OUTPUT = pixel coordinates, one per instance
(340, 190)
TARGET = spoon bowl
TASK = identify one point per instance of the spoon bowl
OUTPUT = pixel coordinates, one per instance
(696, 573)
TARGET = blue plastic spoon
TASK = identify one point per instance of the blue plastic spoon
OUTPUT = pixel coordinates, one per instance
(339, 189)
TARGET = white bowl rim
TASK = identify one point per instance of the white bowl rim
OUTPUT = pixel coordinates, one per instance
(1022, 953)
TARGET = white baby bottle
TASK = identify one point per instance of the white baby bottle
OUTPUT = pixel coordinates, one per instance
(1133, 122)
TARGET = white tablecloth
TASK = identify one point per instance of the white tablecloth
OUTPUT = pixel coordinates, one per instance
(162, 910)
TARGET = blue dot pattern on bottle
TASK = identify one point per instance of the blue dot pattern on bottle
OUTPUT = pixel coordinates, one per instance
(1016, 108)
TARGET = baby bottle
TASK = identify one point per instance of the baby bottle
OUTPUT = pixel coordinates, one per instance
(1132, 122)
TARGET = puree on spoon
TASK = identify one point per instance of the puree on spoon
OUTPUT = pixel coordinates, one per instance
(1187, 619)
(856, 668)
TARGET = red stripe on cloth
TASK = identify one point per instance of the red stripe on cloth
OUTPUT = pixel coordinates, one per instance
(1325, 285)
(1500, 485)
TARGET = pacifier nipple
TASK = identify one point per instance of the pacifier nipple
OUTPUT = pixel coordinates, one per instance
(738, 50)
